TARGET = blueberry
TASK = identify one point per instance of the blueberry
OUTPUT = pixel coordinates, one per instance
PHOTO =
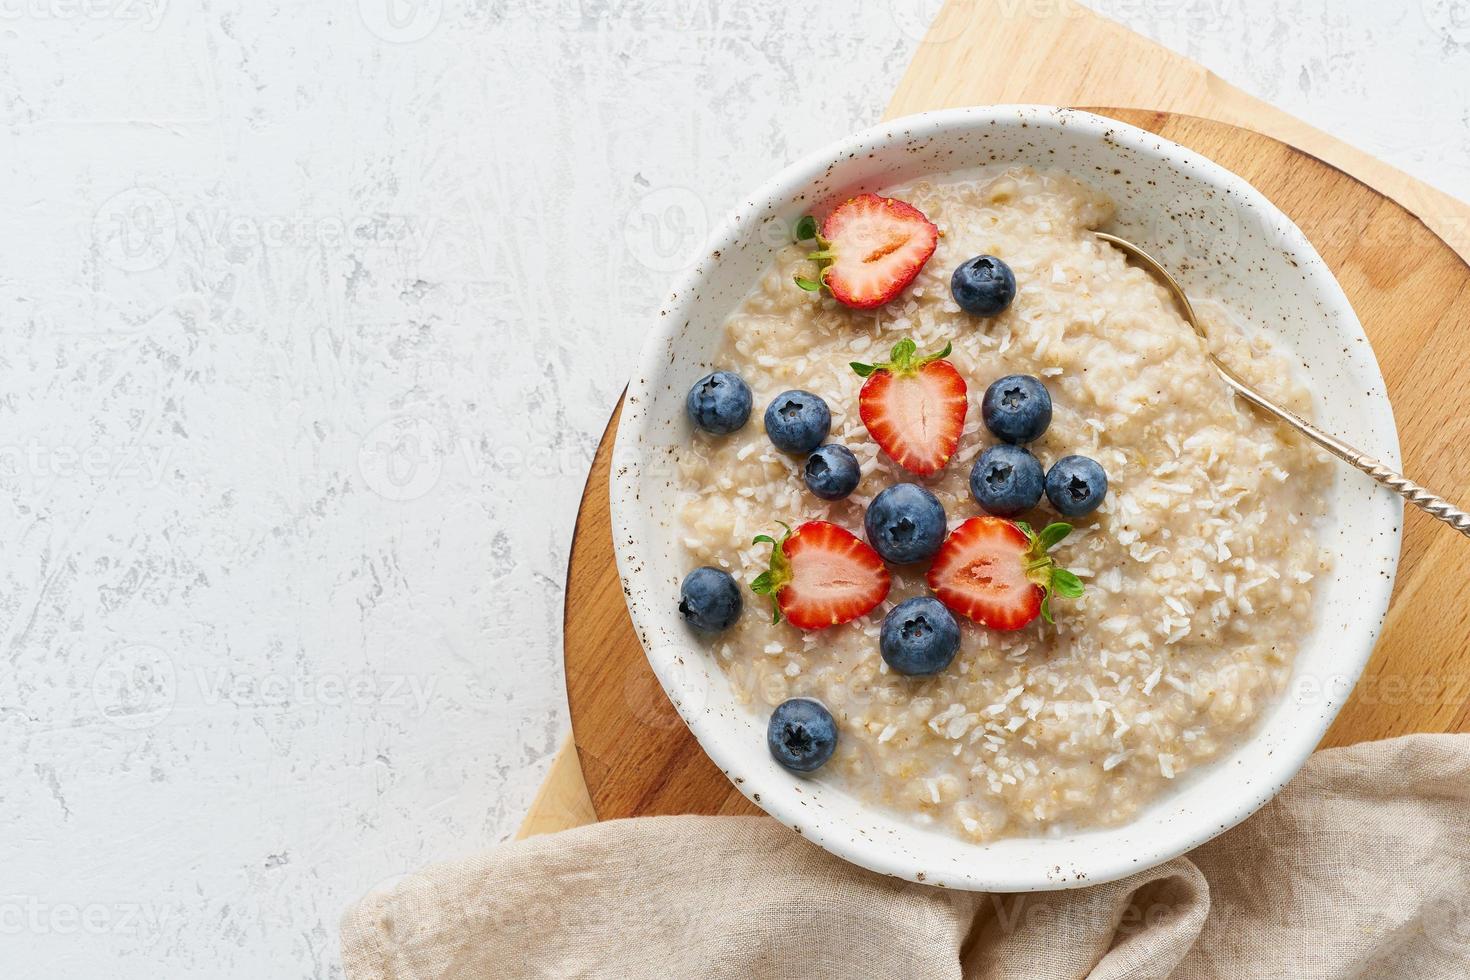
(1076, 485)
(709, 599)
(983, 286)
(919, 636)
(1006, 480)
(905, 523)
(719, 402)
(832, 472)
(802, 734)
(1017, 408)
(797, 421)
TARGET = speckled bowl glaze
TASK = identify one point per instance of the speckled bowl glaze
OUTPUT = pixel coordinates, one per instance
(1223, 238)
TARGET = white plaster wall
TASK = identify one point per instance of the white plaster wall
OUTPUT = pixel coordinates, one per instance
(311, 314)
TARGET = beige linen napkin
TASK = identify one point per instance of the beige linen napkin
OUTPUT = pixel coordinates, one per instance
(1360, 868)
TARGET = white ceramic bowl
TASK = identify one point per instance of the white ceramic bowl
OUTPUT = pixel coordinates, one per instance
(1188, 211)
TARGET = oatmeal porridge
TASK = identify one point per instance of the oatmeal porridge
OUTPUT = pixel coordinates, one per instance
(1198, 565)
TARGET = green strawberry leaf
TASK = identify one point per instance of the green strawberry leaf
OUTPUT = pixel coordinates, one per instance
(1042, 568)
(774, 579)
(863, 370)
(1066, 584)
(936, 356)
(904, 359)
(1052, 535)
(806, 231)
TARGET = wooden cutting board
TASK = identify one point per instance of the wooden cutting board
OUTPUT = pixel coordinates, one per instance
(633, 755)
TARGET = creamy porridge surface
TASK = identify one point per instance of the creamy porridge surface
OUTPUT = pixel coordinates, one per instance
(1199, 566)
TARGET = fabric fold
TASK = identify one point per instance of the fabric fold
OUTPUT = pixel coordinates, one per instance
(1360, 867)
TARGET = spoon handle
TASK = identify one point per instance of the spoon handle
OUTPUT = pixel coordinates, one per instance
(1431, 503)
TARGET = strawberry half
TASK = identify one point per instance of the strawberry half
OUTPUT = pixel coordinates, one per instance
(998, 572)
(869, 249)
(914, 407)
(821, 575)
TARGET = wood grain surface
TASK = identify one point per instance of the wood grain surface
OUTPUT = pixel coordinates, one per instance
(985, 51)
(1412, 293)
(1059, 53)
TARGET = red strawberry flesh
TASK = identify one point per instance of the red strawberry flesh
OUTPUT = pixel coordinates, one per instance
(822, 575)
(980, 572)
(877, 247)
(914, 408)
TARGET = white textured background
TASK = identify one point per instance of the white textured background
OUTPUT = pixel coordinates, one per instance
(311, 314)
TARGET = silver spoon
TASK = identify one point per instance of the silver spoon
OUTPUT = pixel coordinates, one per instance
(1412, 492)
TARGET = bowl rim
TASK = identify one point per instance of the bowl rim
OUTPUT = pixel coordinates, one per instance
(1176, 837)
